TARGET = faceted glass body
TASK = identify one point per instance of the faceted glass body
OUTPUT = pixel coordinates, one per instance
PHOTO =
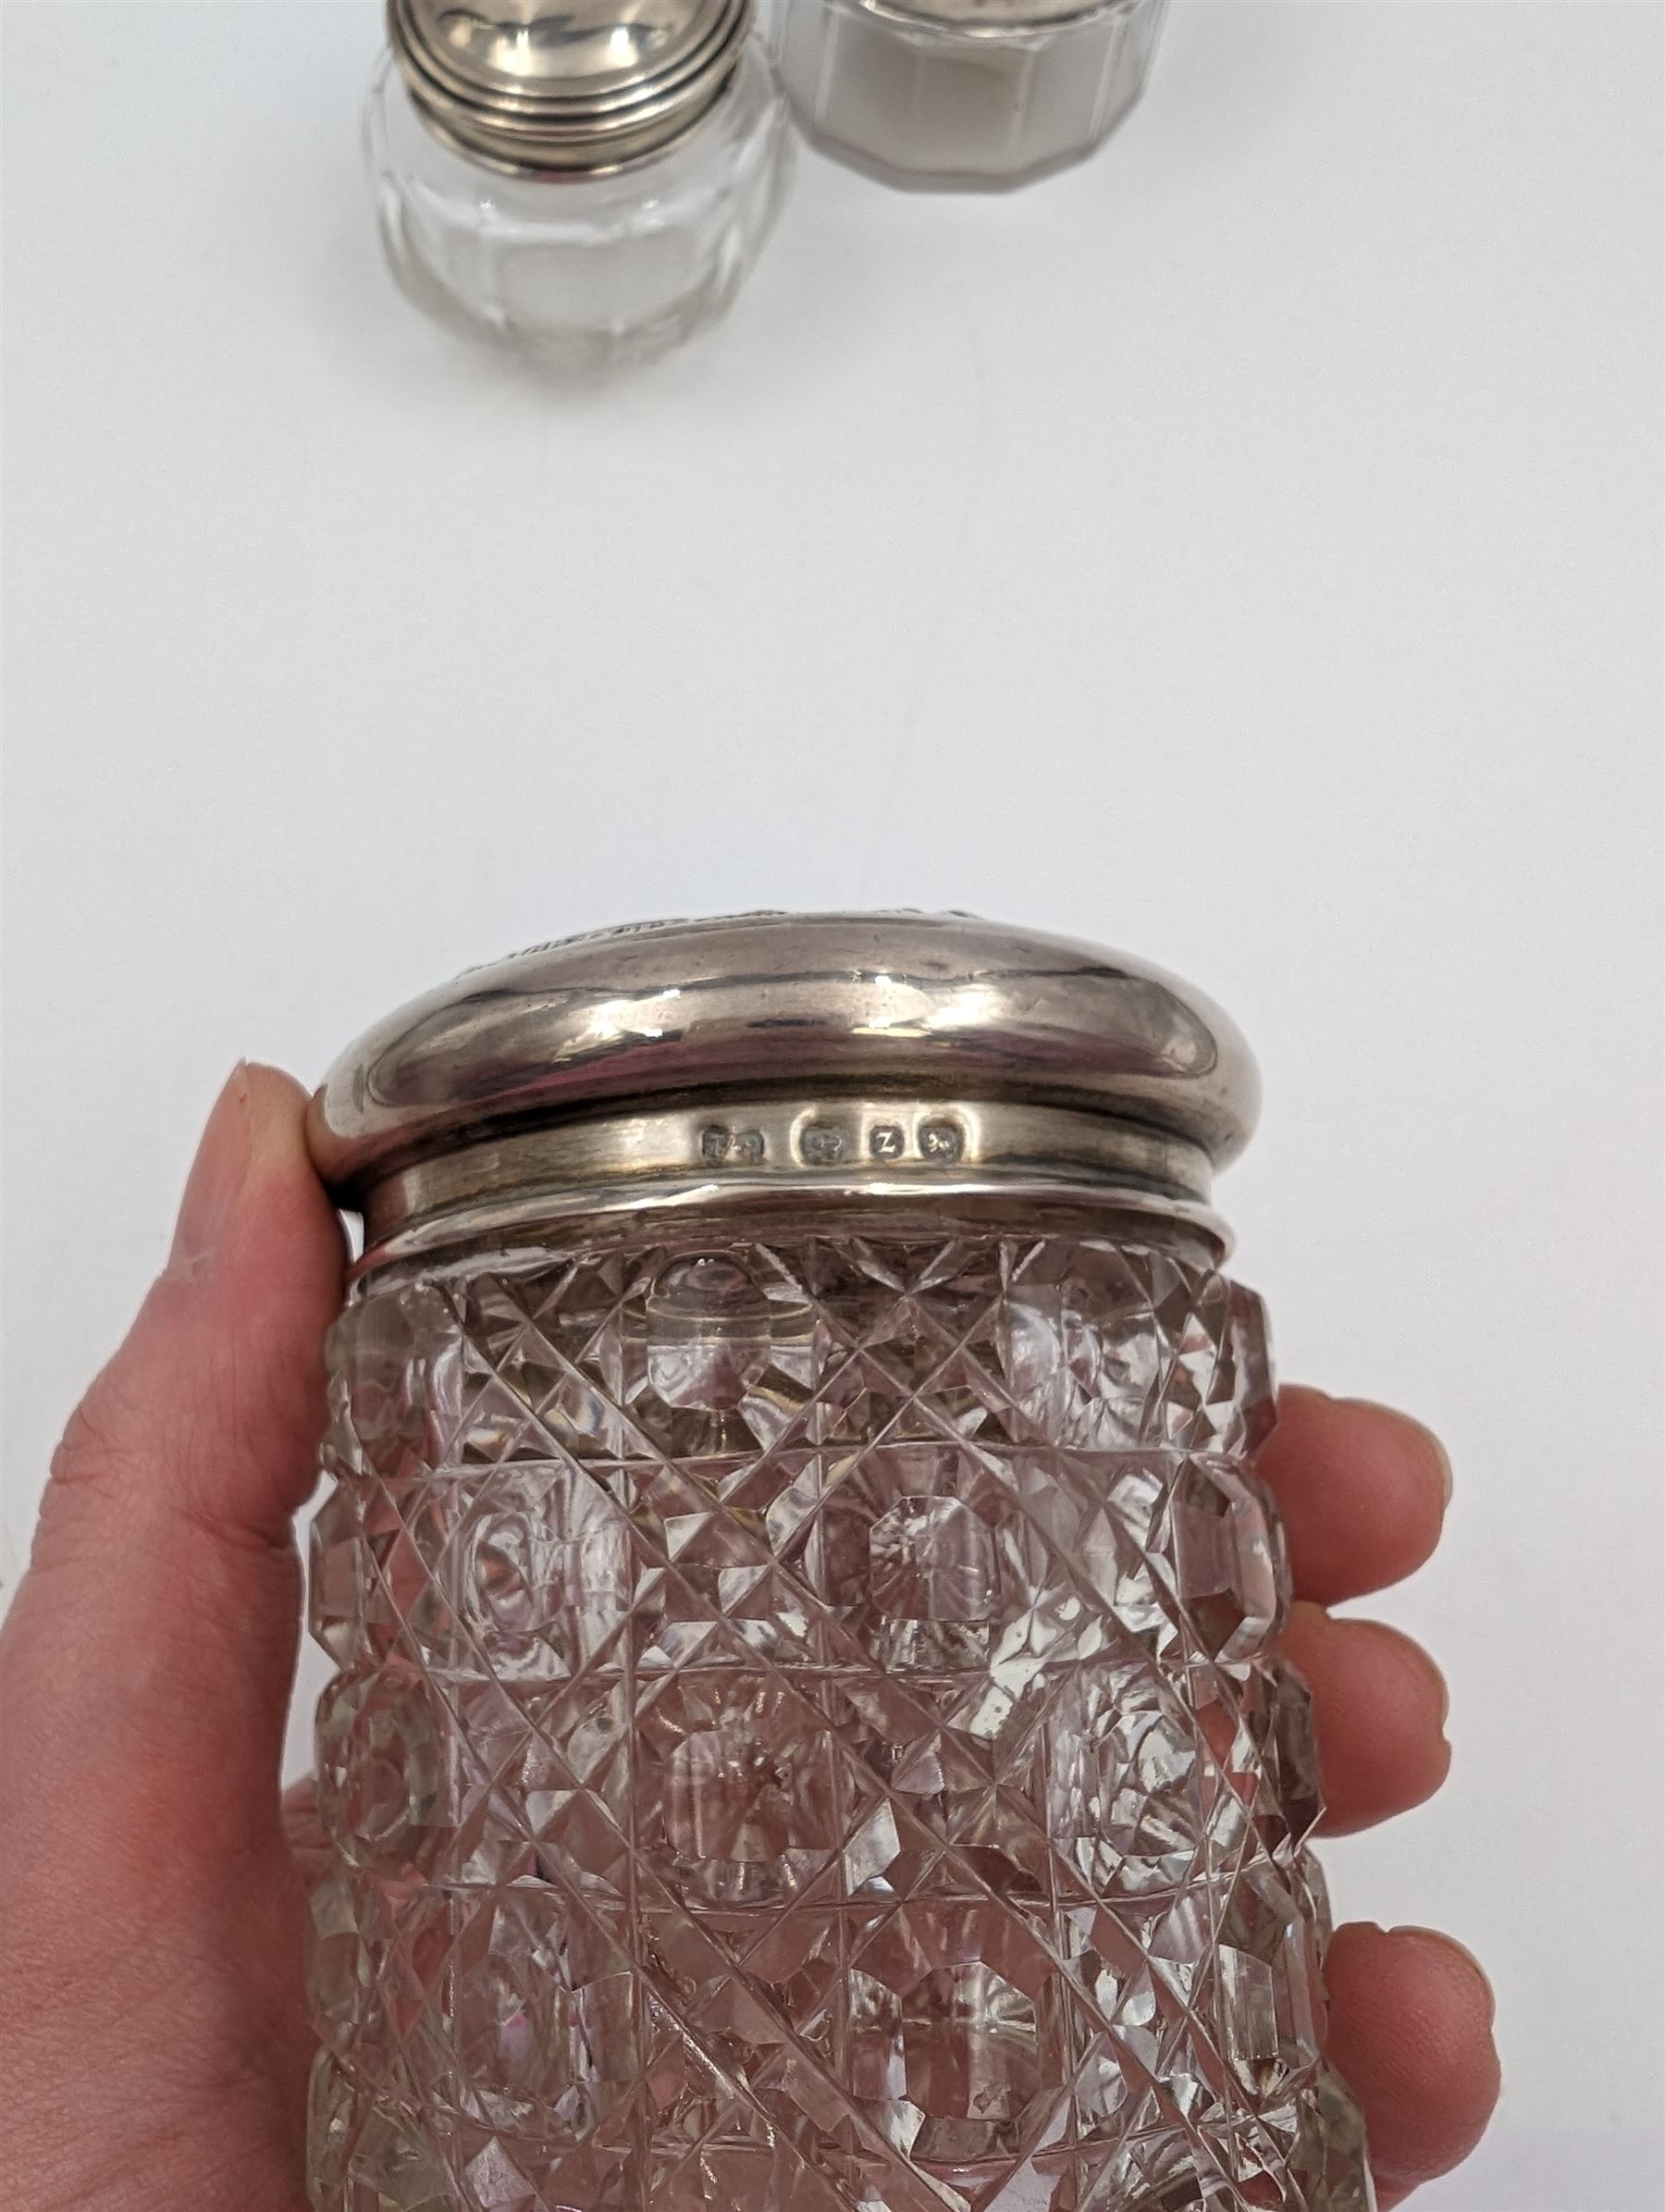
(582, 272)
(807, 1736)
(963, 92)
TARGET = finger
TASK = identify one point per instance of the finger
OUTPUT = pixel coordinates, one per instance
(1363, 1492)
(153, 1921)
(146, 1661)
(1411, 2032)
(304, 1830)
(1380, 1710)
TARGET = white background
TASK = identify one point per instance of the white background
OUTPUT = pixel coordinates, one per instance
(1245, 549)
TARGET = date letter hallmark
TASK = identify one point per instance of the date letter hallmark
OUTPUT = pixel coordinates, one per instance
(941, 1142)
(886, 1140)
(721, 1146)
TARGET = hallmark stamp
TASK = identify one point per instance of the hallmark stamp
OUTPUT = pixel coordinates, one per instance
(941, 1141)
(721, 1146)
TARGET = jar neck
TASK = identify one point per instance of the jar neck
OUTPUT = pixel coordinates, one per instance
(775, 1157)
(1202, 1242)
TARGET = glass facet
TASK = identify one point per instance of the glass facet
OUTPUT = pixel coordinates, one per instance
(963, 92)
(807, 1734)
(582, 272)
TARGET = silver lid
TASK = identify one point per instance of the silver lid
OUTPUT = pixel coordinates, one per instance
(868, 1055)
(533, 87)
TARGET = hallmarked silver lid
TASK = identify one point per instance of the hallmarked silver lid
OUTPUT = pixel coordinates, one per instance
(530, 86)
(782, 1055)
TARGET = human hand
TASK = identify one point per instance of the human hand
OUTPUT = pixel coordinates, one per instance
(152, 2009)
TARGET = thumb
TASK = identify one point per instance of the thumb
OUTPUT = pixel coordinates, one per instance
(146, 1663)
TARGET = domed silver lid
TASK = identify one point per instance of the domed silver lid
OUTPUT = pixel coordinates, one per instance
(767, 1055)
(529, 86)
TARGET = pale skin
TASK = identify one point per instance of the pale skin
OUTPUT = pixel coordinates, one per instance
(152, 2014)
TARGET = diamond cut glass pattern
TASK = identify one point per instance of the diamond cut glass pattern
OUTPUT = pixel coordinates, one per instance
(807, 1736)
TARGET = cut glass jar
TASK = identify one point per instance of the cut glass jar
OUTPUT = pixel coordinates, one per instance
(808, 1730)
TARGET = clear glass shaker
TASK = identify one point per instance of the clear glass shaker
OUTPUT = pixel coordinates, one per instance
(973, 93)
(808, 1731)
(585, 184)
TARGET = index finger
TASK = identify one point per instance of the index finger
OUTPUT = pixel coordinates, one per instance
(1363, 1490)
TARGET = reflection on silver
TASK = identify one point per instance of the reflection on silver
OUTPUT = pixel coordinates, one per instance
(588, 87)
(633, 1063)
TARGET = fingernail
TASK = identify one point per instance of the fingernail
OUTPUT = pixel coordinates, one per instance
(217, 1174)
(1449, 1943)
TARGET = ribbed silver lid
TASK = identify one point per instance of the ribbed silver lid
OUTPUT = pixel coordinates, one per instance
(528, 86)
(769, 1055)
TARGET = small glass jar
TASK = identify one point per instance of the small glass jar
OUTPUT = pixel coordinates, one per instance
(586, 197)
(967, 93)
